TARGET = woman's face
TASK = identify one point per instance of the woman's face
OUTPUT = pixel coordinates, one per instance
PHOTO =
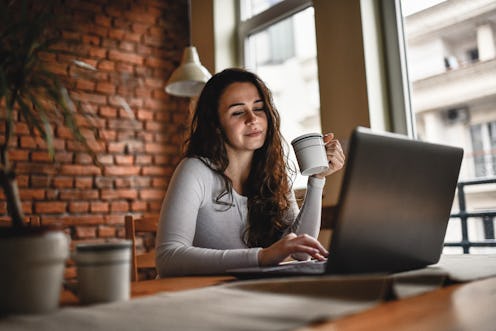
(242, 117)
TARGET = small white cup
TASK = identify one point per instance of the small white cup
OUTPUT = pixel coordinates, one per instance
(310, 153)
(103, 271)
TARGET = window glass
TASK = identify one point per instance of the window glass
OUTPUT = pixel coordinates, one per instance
(284, 55)
(451, 60)
(251, 8)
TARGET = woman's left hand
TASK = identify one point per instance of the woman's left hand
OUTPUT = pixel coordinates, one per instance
(335, 155)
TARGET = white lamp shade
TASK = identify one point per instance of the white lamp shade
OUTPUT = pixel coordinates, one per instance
(190, 77)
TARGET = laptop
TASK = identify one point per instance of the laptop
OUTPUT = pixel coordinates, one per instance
(393, 210)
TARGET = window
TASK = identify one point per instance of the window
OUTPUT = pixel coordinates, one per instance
(278, 43)
(484, 147)
(451, 61)
(250, 8)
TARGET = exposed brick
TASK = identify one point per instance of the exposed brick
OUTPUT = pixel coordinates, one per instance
(139, 28)
(22, 181)
(83, 182)
(104, 87)
(152, 194)
(63, 182)
(85, 85)
(106, 65)
(133, 48)
(91, 40)
(115, 219)
(143, 159)
(154, 82)
(40, 181)
(157, 171)
(84, 158)
(107, 135)
(122, 170)
(17, 155)
(154, 104)
(138, 206)
(51, 207)
(79, 207)
(116, 34)
(119, 194)
(79, 170)
(119, 206)
(32, 194)
(64, 132)
(154, 126)
(79, 194)
(72, 220)
(105, 231)
(125, 57)
(124, 159)
(103, 21)
(159, 182)
(36, 168)
(108, 112)
(99, 207)
(127, 46)
(121, 232)
(143, 92)
(161, 159)
(85, 232)
(40, 157)
(27, 207)
(64, 157)
(124, 68)
(90, 97)
(52, 194)
(137, 182)
(105, 159)
(154, 206)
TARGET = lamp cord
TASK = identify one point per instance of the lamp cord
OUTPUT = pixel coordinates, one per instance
(190, 24)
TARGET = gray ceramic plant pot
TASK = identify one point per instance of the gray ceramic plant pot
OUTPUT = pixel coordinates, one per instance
(31, 271)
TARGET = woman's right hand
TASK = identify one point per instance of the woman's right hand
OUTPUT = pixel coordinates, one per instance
(289, 245)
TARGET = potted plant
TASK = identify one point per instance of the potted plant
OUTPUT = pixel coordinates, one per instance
(32, 259)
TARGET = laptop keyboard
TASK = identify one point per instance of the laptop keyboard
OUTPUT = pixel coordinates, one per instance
(303, 267)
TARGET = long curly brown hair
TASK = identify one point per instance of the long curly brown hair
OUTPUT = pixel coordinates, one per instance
(268, 185)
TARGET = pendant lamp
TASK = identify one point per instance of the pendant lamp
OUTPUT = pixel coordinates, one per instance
(189, 78)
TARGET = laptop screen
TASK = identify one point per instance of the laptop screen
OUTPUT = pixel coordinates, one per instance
(394, 204)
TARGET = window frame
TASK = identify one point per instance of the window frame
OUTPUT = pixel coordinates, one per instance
(263, 20)
(398, 84)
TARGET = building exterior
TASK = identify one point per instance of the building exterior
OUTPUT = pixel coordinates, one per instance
(451, 55)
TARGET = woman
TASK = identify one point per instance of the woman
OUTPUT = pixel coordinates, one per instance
(229, 203)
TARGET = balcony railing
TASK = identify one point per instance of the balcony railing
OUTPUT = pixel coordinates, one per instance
(487, 217)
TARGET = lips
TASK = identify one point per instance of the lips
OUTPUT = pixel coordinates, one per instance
(254, 133)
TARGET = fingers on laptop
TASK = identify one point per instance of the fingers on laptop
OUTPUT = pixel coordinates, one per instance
(304, 243)
(289, 245)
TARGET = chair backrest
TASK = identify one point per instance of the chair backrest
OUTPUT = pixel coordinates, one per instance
(140, 259)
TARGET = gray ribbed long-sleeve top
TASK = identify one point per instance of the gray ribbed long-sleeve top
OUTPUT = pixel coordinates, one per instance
(197, 235)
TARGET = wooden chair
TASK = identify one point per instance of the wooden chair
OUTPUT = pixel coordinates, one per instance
(140, 260)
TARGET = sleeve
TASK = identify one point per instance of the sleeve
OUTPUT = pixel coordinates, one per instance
(175, 253)
(309, 217)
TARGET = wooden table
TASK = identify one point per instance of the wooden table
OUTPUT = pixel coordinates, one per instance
(470, 306)
(149, 287)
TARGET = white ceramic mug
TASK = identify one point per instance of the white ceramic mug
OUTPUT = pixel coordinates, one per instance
(103, 271)
(310, 153)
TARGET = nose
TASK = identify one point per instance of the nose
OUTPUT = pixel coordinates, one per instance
(250, 117)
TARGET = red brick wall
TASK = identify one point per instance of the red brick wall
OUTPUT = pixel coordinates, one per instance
(135, 45)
